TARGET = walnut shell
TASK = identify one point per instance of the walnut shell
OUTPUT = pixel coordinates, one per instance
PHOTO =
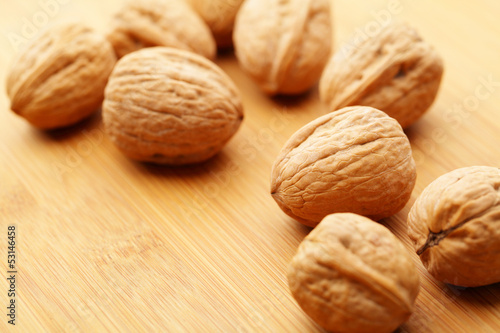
(357, 159)
(283, 45)
(60, 78)
(170, 106)
(351, 274)
(455, 226)
(219, 15)
(171, 23)
(394, 71)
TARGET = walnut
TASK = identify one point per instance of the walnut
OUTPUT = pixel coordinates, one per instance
(356, 160)
(394, 71)
(149, 23)
(283, 45)
(60, 78)
(219, 15)
(170, 106)
(351, 274)
(455, 226)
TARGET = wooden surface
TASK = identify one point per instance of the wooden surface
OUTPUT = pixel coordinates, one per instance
(107, 244)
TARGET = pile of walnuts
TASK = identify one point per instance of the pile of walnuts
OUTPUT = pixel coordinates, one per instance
(164, 101)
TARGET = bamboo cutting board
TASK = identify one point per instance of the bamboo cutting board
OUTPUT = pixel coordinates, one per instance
(107, 244)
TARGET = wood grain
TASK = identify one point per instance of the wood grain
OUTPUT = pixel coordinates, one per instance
(107, 244)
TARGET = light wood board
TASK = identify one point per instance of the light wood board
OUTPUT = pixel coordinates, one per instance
(107, 244)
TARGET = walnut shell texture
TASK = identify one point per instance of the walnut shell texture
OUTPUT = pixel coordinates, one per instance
(219, 15)
(394, 71)
(357, 160)
(351, 274)
(171, 23)
(60, 78)
(455, 226)
(283, 45)
(170, 106)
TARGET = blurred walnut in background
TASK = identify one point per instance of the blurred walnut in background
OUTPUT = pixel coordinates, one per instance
(171, 23)
(219, 15)
(283, 45)
(59, 79)
(395, 71)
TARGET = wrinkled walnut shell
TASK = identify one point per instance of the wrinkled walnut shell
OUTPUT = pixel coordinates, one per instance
(455, 226)
(351, 274)
(283, 45)
(219, 15)
(394, 71)
(171, 23)
(169, 106)
(60, 78)
(356, 160)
